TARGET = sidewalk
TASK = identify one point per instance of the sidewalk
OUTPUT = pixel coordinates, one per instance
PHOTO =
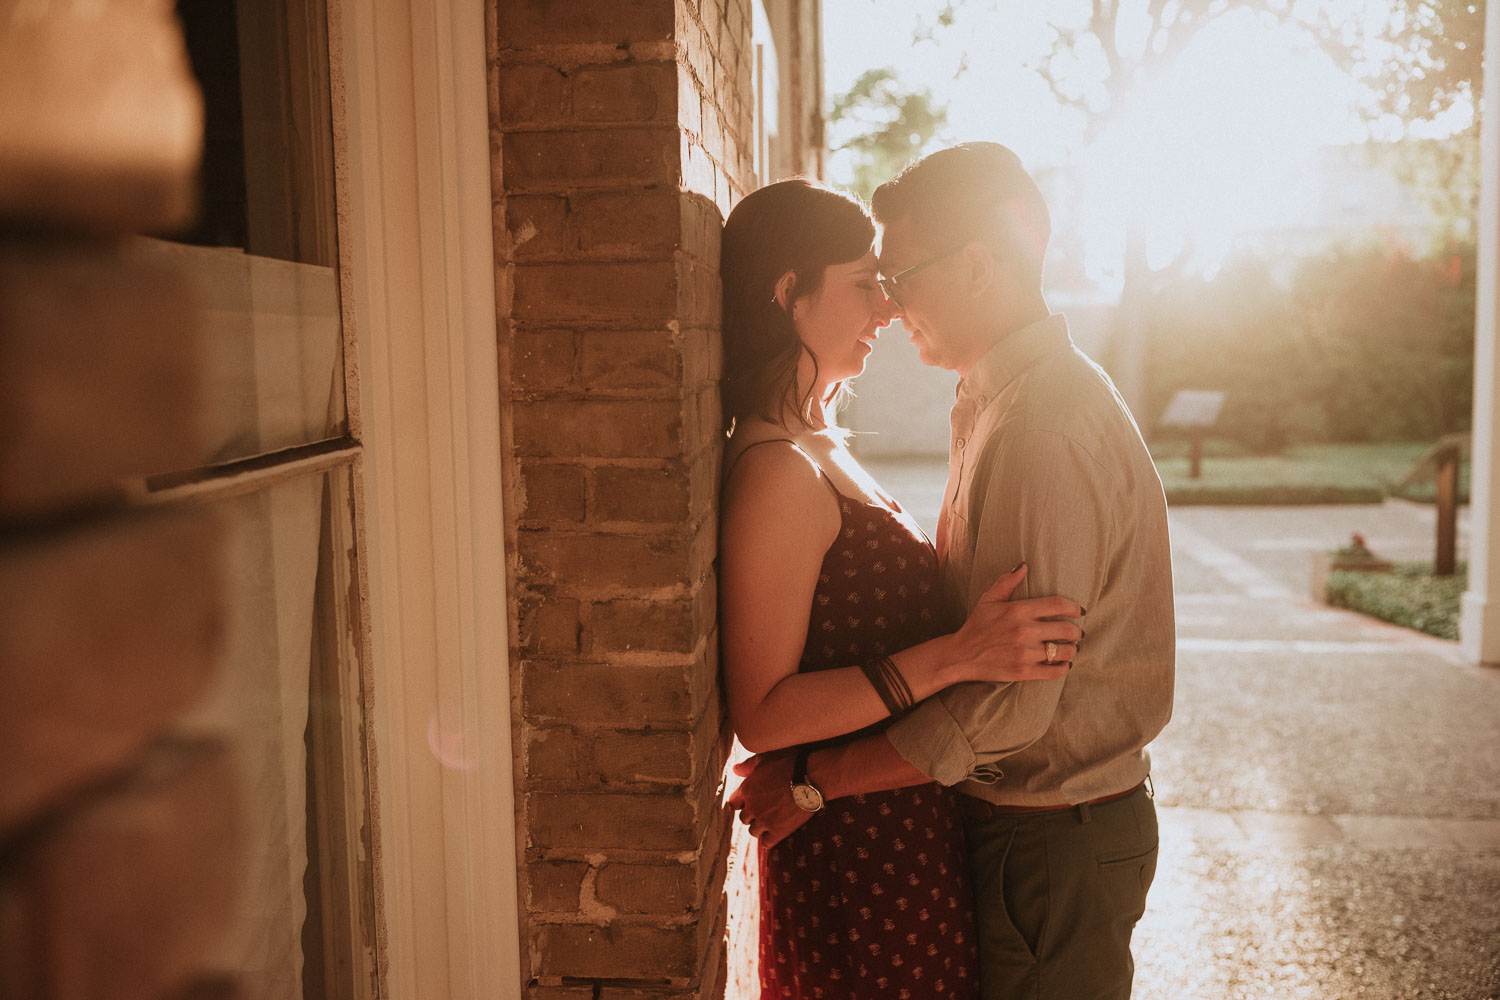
(1329, 786)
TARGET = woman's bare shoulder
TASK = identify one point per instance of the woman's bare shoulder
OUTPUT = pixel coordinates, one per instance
(774, 481)
(770, 466)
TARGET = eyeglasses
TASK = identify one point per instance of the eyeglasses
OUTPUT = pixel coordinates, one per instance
(892, 286)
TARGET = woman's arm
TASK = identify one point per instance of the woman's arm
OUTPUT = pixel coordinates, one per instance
(778, 521)
(869, 764)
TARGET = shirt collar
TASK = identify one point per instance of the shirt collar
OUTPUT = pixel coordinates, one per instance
(998, 366)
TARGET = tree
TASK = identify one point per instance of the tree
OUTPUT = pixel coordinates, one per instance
(1094, 65)
(1425, 58)
(1418, 62)
(886, 124)
(1422, 64)
(1443, 173)
(1364, 344)
(1157, 32)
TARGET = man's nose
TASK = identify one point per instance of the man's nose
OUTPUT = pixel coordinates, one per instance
(888, 309)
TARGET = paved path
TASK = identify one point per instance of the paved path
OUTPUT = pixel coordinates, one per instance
(1329, 786)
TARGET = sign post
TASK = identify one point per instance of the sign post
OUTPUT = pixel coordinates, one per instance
(1196, 410)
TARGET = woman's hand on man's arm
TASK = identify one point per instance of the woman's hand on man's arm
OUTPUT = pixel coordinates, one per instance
(1006, 640)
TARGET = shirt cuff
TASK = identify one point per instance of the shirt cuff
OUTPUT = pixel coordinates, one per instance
(931, 740)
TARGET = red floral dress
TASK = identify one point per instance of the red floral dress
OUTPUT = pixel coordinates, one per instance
(870, 898)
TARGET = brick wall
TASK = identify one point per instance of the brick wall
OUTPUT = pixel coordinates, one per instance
(624, 134)
(114, 838)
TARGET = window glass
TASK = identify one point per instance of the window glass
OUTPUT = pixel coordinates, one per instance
(263, 253)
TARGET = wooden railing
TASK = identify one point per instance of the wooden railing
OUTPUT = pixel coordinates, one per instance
(1440, 463)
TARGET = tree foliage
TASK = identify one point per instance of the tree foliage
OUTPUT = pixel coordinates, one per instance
(886, 125)
(1425, 57)
(1361, 344)
(1442, 173)
(1418, 60)
(1366, 346)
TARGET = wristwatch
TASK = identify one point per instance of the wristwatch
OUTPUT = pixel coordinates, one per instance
(806, 794)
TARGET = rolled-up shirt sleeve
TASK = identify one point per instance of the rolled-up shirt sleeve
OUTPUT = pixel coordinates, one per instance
(1044, 500)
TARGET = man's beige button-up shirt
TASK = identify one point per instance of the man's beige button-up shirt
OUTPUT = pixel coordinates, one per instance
(1047, 466)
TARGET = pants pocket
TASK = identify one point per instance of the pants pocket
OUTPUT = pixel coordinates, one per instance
(1129, 894)
(1136, 844)
(1005, 902)
(1106, 864)
(1024, 909)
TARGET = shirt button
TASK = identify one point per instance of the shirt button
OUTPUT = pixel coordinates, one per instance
(960, 442)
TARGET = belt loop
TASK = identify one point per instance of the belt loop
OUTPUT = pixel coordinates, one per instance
(1084, 814)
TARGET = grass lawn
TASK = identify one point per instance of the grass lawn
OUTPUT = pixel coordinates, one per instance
(1408, 595)
(1302, 474)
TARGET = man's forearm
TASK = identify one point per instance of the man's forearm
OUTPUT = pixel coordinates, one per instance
(867, 765)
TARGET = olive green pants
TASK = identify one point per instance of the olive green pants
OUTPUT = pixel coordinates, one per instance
(1057, 895)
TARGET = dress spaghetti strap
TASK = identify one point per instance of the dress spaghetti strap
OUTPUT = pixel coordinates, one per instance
(821, 474)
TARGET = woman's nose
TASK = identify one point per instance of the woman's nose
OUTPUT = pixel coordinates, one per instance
(887, 309)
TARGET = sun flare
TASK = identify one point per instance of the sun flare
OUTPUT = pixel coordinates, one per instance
(1227, 147)
(1220, 146)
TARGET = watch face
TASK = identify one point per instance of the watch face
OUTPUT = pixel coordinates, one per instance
(807, 798)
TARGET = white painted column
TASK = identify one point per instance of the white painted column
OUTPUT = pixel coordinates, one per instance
(1479, 628)
(419, 213)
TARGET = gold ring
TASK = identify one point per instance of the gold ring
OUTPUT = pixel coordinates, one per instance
(1051, 652)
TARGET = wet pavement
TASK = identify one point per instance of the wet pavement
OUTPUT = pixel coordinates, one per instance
(1329, 786)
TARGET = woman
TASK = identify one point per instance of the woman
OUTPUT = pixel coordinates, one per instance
(831, 614)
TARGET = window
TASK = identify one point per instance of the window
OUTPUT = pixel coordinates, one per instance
(281, 480)
(767, 94)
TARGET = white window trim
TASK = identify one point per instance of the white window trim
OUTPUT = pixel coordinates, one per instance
(410, 97)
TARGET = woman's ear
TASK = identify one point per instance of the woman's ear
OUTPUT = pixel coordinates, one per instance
(781, 292)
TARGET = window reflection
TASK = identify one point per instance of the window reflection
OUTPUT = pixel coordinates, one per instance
(263, 253)
(260, 705)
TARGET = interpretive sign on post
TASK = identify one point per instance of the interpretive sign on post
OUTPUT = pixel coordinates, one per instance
(1196, 410)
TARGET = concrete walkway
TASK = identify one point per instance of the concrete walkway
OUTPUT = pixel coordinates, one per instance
(1329, 786)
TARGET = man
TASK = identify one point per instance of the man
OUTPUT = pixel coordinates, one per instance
(1046, 467)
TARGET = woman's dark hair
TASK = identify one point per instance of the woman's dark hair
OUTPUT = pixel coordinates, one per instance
(794, 225)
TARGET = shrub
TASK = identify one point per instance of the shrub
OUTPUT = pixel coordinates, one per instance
(1356, 345)
(1409, 595)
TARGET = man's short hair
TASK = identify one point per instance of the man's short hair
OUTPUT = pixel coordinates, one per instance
(972, 191)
